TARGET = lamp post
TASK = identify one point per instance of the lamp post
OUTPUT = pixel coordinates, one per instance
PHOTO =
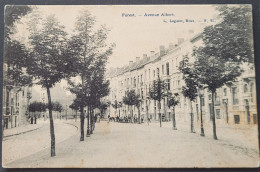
(147, 113)
(201, 92)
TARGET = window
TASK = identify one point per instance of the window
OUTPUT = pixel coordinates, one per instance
(168, 84)
(218, 114)
(162, 69)
(209, 96)
(251, 91)
(245, 88)
(255, 118)
(225, 92)
(236, 119)
(217, 99)
(234, 96)
(158, 72)
(154, 73)
(149, 73)
(167, 69)
(202, 101)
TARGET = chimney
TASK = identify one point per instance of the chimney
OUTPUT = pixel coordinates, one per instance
(152, 53)
(171, 46)
(130, 63)
(145, 57)
(162, 50)
(137, 59)
(180, 40)
(191, 31)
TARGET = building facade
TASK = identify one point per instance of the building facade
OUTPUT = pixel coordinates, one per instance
(235, 103)
(16, 100)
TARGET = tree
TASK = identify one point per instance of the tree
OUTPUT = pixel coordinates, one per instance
(231, 38)
(14, 76)
(117, 105)
(172, 102)
(36, 107)
(13, 13)
(15, 52)
(129, 99)
(103, 106)
(190, 89)
(91, 56)
(74, 106)
(157, 92)
(49, 60)
(227, 45)
(57, 106)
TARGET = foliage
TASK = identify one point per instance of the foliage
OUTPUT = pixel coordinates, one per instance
(172, 99)
(232, 38)
(37, 107)
(103, 106)
(15, 52)
(74, 105)
(48, 61)
(15, 55)
(190, 78)
(117, 104)
(91, 53)
(13, 13)
(158, 90)
(57, 106)
(131, 98)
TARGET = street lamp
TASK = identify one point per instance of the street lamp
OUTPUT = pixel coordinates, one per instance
(201, 92)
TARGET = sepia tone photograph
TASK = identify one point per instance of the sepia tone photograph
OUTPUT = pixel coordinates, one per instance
(129, 86)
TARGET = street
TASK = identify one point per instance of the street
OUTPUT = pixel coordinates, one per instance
(126, 145)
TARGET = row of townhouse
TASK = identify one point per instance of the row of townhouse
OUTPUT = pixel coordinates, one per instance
(15, 103)
(235, 103)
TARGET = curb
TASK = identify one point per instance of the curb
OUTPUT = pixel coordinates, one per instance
(23, 132)
(71, 124)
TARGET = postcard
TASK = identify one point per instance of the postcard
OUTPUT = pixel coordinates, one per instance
(129, 86)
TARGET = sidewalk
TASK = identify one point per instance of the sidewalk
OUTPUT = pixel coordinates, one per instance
(244, 138)
(23, 129)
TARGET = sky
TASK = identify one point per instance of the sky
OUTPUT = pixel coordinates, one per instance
(135, 36)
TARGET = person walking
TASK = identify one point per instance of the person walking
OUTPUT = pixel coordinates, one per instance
(108, 118)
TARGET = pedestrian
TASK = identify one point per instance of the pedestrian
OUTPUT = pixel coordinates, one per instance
(108, 118)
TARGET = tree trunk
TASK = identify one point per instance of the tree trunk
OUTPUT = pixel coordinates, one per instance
(93, 119)
(139, 119)
(191, 119)
(173, 119)
(160, 115)
(51, 124)
(91, 125)
(201, 120)
(213, 116)
(147, 114)
(164, 106)
(82, 123)
(76, 115)
(88, 130)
